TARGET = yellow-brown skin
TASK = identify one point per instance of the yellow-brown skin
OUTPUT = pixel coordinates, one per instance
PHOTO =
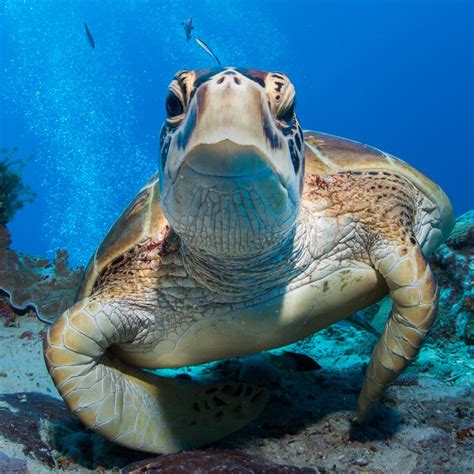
(150, 300)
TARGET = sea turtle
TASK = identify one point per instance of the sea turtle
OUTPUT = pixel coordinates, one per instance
(252, 235)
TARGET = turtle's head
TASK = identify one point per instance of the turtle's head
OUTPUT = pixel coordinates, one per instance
(231, 167)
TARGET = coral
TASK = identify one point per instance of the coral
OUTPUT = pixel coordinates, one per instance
(49, 288)
(21, 421)
(213, 461)
(13, 192)
(453, 264)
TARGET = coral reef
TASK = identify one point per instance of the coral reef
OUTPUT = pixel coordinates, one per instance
(49, 288)
(29, 281)
(453, 264)
(13, 192)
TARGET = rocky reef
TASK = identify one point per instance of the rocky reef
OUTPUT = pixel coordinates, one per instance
(453, 264)
(424, 422)
(47, 287)
(25, 281)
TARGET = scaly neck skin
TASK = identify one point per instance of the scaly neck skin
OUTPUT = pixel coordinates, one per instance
(243, 277)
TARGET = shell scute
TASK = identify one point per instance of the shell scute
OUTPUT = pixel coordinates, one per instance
(143, 218)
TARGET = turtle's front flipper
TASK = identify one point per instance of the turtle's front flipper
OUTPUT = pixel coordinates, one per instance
(414, 292)
(129, 406)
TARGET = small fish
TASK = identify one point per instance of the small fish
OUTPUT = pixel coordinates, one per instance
(208, 50)
(89, 36)
(188, 26)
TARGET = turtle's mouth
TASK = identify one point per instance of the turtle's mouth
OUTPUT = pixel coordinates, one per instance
(226, 160)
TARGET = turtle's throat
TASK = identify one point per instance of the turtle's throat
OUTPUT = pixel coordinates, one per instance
(228, 201)
(236, 277)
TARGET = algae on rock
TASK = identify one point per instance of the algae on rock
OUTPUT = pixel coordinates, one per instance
(13, 192)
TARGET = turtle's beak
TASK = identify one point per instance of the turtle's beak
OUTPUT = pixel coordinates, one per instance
(227, 159)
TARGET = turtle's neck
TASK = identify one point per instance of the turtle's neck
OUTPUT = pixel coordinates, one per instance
(237, 277)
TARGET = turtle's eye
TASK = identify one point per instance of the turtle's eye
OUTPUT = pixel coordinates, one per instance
(286, 114)
(174, 106)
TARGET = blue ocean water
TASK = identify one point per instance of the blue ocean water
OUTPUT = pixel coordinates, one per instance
(397, 75)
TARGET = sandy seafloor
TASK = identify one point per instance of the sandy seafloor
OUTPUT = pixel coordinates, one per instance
(424, 422)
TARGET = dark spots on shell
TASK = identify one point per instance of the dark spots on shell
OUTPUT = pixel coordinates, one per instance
(277, 97)
(118, 260)
(356, 172)
(272, 137)
(413, 240)
(294, 156)
(372, 187)
(373, 173)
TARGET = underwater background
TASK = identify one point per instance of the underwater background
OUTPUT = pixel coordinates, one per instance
(397, 75)
(393, 74)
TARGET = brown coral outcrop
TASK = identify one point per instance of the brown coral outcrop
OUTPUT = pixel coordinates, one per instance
(49, 288)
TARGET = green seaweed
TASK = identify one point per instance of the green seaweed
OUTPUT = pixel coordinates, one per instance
(14, 194)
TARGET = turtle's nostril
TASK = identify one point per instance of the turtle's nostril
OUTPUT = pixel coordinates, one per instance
(221, 80)
(237, 81)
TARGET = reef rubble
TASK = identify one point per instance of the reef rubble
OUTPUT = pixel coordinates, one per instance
(423, 423)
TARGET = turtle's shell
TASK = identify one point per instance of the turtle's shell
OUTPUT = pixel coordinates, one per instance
(142, 219)
(325, 154)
